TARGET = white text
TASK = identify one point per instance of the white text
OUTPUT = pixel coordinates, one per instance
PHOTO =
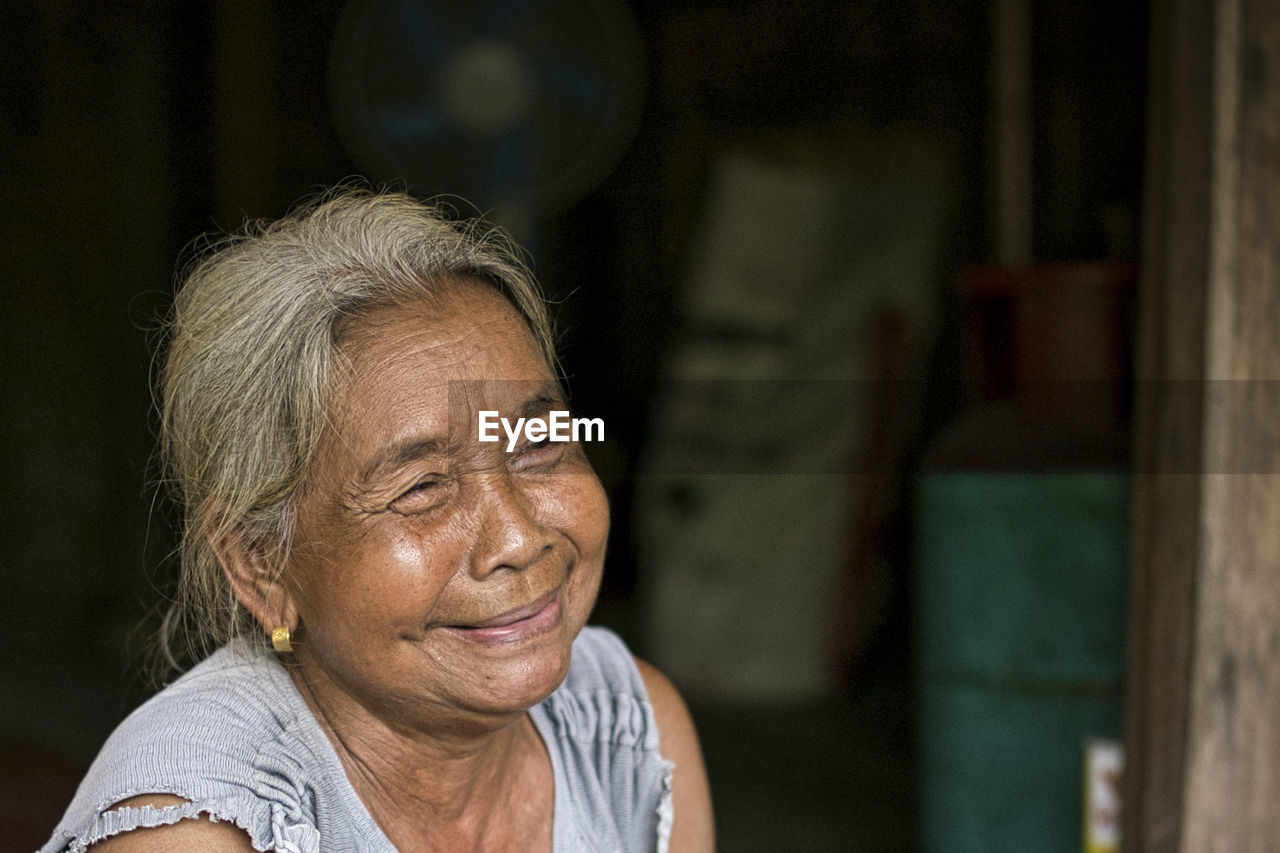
(557, 426)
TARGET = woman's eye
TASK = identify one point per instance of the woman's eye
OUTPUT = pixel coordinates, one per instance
(541, 452)
(421, 495)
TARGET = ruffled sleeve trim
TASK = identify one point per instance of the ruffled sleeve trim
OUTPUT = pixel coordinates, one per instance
(272, 830)
(666, 807)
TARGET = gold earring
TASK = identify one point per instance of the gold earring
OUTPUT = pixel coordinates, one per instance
(281, 641)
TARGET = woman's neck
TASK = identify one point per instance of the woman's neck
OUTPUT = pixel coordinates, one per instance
(459, 785)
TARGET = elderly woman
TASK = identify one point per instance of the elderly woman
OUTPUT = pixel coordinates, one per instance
(397, 608)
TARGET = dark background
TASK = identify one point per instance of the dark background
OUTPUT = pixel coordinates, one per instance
(129, 128)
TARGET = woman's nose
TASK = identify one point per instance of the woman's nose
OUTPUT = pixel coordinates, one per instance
(510, 536)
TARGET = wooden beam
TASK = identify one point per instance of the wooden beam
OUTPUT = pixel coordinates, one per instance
(1232, 798)
(1202, 728)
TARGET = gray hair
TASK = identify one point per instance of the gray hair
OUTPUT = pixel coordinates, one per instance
(252, 355)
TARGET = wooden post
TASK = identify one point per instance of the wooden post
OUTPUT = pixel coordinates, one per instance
(1202, 729)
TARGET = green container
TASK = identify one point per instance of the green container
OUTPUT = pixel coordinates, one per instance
(1020, 591)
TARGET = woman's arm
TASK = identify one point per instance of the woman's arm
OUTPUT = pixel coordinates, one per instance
(693, 829)
(186, 834)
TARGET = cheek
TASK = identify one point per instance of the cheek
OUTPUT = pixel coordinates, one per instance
(587, 524)
(596, 513)
(390, 579)
(575, 504)
(393, 574)
(405, 556)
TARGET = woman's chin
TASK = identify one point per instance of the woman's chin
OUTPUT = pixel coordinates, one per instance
(504, 677)
(514, 688)
(513, 668)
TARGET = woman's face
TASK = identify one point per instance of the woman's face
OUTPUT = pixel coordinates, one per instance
(437, 578)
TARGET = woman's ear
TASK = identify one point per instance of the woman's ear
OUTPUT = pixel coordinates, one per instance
(256, 579)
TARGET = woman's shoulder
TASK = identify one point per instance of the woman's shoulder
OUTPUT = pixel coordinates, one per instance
(656, 772)
(230, 708)
(226, 738)
(613, 787)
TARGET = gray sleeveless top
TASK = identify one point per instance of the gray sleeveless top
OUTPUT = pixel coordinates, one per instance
(235, 738)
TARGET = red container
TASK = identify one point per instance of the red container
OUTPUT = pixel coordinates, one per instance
(1054, 338)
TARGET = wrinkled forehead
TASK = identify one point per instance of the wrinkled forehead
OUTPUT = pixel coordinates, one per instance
(522, 397)
(423, 370)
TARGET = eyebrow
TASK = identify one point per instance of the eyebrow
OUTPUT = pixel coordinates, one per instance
(548, 396)
(395, 455)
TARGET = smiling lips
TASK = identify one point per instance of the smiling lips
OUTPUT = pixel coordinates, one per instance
(516, 625)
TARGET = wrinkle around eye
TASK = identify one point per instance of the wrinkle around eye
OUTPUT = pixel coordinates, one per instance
(423, 496)
(540, 455)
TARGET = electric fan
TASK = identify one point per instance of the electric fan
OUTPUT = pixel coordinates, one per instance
(517, 106)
